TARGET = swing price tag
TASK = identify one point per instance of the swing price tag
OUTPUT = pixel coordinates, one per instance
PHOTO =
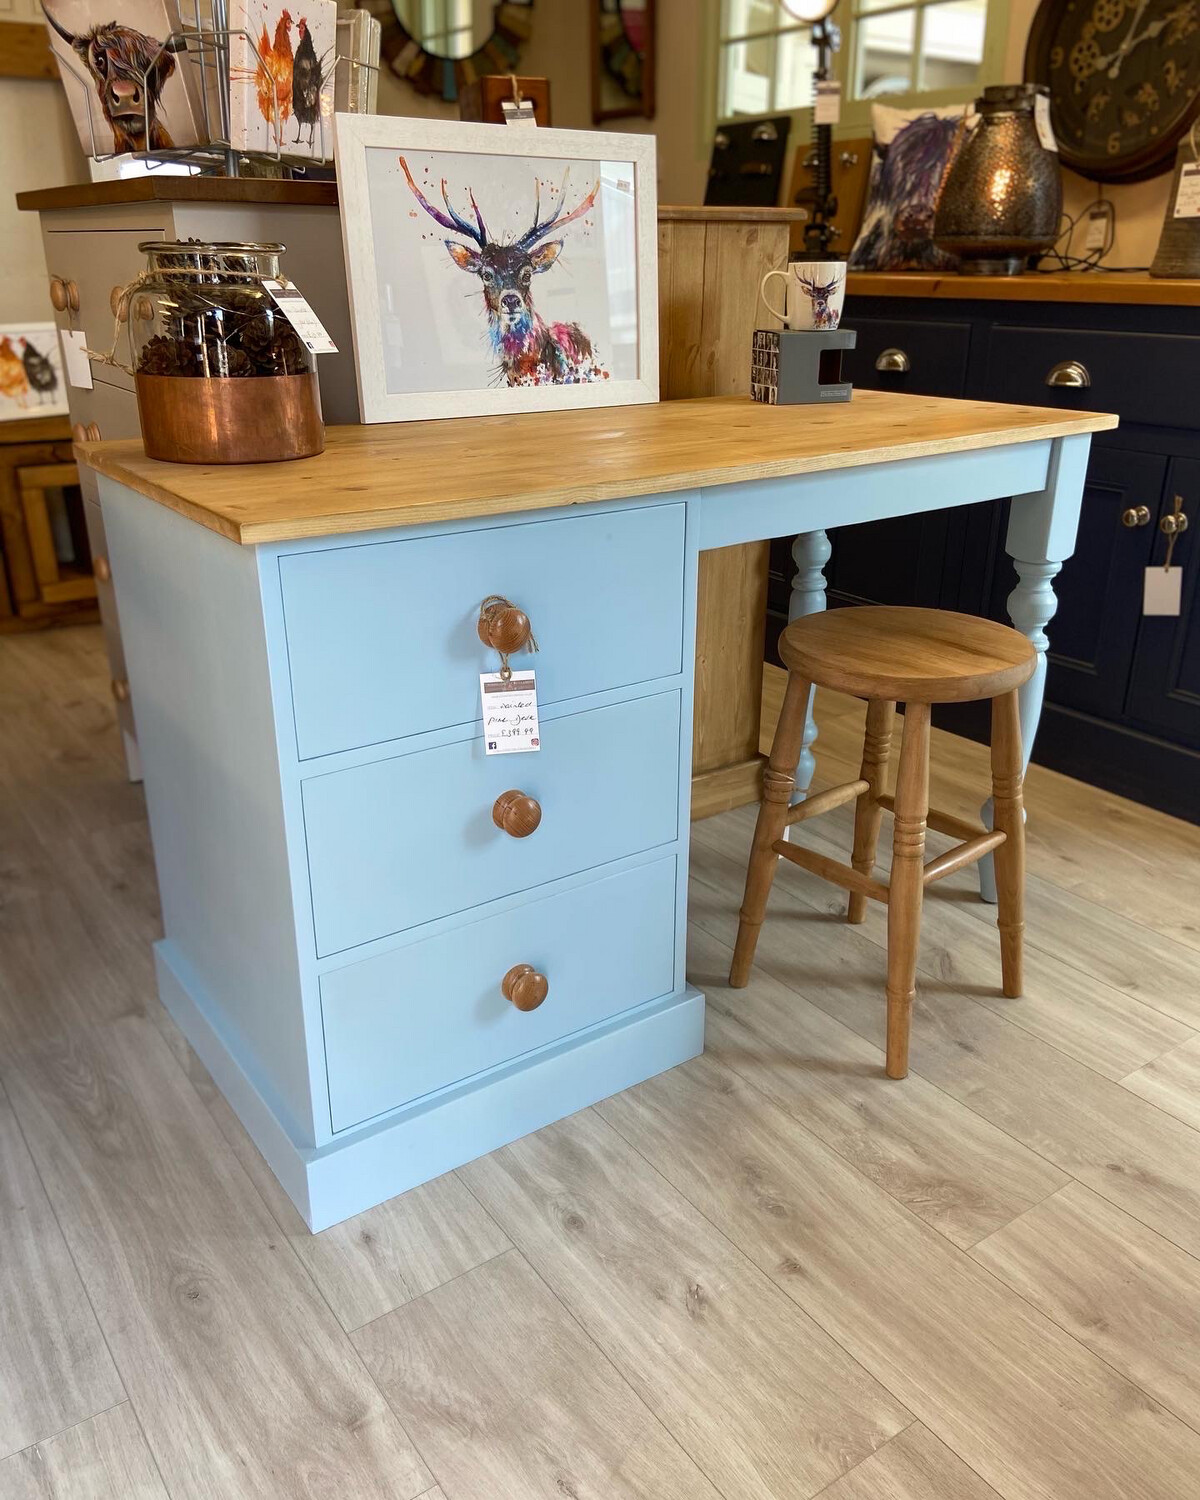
(827, 102)
(78, 365)
(309, 328)
(1187, 199)
(1163, 592)
(510, 713)
(1041, 123)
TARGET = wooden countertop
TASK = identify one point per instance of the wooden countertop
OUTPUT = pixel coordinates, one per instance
(1130, 287)
(409, 473)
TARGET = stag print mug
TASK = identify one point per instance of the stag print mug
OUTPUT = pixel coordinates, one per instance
(813, 296)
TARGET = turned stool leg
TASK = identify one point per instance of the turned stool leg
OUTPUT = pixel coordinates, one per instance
(877, 747)
(904, 901)
(1009, 818)
(779, 779)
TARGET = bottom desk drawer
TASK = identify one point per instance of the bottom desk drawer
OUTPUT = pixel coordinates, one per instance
(431, 1014)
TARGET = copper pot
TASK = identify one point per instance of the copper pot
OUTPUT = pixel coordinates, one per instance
(256, 419)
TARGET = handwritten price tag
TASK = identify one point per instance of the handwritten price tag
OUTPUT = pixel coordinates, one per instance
(510, 713)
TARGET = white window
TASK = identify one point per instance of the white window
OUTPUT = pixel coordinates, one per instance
(907, 51)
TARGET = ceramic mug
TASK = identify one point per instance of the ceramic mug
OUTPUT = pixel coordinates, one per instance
(815, 291)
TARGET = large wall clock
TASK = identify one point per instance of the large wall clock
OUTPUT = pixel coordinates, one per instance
(1124, 78)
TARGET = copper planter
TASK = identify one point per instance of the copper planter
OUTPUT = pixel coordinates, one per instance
(258, 419)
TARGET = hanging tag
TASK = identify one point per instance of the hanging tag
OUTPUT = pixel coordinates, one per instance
(518, 114)
(1097, 231)
(510, 713)
(1163, 592)
(75, 361)
(293, 305)
(1041, 121)
(827, 102)
(1187, 199)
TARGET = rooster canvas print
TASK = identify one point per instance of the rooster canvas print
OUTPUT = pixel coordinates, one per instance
(31, 376)
(282, 76)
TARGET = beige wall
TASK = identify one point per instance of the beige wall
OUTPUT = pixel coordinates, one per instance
(1139, 207)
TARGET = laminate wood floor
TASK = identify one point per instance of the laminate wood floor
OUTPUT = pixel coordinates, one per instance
(770, 1274)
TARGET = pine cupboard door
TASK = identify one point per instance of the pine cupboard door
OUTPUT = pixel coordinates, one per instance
(1164, 686)
(1094, 631)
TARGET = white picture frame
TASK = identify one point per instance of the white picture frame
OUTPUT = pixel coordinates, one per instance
(400, 241)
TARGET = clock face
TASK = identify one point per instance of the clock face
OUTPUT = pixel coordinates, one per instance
(1124, 78)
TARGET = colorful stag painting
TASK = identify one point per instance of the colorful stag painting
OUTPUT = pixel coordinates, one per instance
(913, 149)
(31, 377)
(281, 65)
(129, 90)
(494, 269)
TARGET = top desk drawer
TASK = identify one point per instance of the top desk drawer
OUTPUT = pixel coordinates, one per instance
(382, 637)
(932, 356)
(1143, 377)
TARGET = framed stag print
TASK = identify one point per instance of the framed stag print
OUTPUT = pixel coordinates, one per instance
(497, 268)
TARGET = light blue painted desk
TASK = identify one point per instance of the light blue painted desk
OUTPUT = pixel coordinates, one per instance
(339, 907)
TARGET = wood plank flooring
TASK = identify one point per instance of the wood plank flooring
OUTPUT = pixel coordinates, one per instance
(767, 1275)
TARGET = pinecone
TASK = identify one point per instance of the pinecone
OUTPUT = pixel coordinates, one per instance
(159, 357)
(225, 360)
(256, 335)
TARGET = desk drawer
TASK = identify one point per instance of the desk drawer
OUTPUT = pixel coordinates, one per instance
(98, 261)
(382, 637)
(406, 840)
(431, 1014)
(1143, 377)
(936, 355)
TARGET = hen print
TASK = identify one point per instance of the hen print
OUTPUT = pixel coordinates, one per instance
(281, 76)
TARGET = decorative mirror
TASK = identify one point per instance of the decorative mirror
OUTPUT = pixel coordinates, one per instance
(622, 59)
(440, 45)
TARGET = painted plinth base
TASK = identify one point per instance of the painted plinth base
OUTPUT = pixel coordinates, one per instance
(366, 1166)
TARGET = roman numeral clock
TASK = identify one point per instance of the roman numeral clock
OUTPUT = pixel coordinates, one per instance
(1124, 79)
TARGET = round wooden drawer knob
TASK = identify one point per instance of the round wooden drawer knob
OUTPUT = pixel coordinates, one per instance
(120, 310)
(93, 432)
(101, 569)
(120, 689)
(58, 294)
(525, 987)
(516, 813)
(79, 432)
(505, 629)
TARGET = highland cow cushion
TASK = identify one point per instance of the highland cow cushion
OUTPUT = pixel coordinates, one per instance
(913, 149)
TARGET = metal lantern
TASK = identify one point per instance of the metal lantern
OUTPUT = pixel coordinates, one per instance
(1002, 198)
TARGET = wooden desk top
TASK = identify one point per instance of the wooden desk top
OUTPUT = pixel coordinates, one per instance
(1128, 287)
(410, 473)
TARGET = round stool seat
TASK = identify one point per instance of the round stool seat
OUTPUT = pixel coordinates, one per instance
(909, 655)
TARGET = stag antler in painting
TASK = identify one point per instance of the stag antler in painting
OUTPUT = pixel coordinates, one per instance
(529, 350)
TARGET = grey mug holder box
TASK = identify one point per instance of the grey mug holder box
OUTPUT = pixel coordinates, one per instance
(793, 368)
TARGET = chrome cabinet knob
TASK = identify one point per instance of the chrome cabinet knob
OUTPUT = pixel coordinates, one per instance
(894, 361)
(1136, 515)
(1070, 373)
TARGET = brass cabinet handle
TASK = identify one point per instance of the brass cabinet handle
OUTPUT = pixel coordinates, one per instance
(525, 987)
(516, 813)
(1070, 373)
(1173, 524)
(894, 361)
(1136, 515)
(101, 569)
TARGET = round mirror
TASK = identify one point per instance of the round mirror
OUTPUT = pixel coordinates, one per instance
(447, 28)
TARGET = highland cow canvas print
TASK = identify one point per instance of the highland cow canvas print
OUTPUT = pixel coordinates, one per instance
(129, 87)
(515, 277)
(281, 76)
(31, 375)
(912, 153)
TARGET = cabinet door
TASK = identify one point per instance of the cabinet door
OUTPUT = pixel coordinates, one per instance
(1094, 630)
(1164, 686)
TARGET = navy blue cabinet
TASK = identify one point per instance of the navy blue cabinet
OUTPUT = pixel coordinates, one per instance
(1123, 690)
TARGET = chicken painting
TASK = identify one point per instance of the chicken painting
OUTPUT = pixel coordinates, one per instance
(31, 380)
(14, 383)
(39, 371)
(277, 85)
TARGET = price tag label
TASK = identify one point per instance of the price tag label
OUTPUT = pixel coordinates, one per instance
(1163, 592)
(293, 305)
(75, 361)
(827, 103)
(510, 713)
(1041, 121)
(518, 114)
(1187, 199)
(1097, 232)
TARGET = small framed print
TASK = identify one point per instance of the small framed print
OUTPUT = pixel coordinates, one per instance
(496, 270)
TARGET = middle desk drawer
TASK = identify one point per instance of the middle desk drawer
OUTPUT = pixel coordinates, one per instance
(382, 641)
(409, 839)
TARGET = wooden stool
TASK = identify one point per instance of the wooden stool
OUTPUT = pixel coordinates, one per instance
(918, 657)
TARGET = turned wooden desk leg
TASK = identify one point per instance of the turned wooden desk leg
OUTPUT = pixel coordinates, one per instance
(877, 748)
(778, 781)
(906, 888)
(1007, 775)
(810, 552)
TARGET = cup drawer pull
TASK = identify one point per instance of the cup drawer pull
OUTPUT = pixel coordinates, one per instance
(525, 987)
(1071, 373)
(894, 361)
(516, 813)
